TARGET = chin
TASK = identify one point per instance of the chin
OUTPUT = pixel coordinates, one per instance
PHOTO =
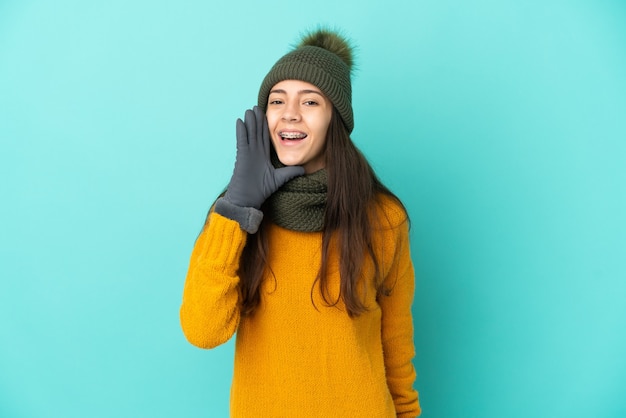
(289, 161)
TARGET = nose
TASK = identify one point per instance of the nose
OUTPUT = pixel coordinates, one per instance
(291, 112)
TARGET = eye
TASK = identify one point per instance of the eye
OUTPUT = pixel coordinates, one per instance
(311, 103)
(275, 102)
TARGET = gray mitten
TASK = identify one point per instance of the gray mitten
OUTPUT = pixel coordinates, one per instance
(254, 177)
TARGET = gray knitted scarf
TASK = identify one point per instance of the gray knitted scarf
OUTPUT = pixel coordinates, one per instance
(300, 203)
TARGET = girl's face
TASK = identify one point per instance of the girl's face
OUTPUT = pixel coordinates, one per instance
(298, 115)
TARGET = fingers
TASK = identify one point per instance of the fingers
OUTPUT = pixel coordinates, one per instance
(242, 135)
(262, 130)
(260, 118)
(250, 120)
(254, 130)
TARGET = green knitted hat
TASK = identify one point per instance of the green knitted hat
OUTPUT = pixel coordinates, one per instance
(324, 59)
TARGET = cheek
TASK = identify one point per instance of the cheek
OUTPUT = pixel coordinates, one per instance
(322, 129)
(271, 121)
(325, 121)
(271, 125)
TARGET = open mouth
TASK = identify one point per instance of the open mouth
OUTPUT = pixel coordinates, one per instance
(291, 135)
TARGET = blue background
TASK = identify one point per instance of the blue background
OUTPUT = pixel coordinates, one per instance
(501, 124)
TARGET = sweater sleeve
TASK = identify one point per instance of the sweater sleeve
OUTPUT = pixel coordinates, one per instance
(209, 314)
(397, 328)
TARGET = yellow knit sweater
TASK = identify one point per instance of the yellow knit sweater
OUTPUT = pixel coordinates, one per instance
(294, 358)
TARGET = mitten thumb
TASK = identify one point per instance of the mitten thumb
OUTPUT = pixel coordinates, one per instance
(284, 174)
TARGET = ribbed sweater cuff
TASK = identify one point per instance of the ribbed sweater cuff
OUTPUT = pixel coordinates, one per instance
(224, 243)
(249, 218)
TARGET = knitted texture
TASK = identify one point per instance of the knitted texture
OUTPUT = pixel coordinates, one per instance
(300, 203)
(296, 356)
(320, 67)
(208, 258)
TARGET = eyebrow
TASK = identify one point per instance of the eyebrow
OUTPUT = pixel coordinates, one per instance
(281, 91)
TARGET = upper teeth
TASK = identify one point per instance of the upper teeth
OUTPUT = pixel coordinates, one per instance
(292, 135)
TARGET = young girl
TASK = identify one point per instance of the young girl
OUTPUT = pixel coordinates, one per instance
(306, 256)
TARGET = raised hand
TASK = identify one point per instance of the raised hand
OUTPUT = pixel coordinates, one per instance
(254, 177)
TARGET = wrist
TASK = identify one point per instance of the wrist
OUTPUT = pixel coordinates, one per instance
(249, 218)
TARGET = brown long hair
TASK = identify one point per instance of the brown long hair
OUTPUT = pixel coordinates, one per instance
(353, 189)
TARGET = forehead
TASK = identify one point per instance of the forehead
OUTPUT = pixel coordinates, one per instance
(295, 86)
